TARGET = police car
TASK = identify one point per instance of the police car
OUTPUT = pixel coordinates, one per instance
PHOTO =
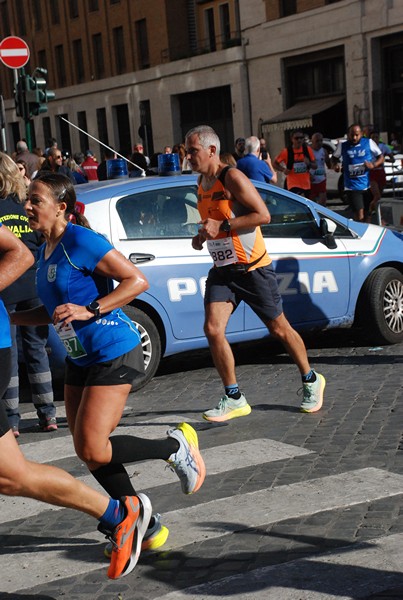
(332, 272)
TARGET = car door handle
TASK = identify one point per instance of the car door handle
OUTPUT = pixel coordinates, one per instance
(139, 257)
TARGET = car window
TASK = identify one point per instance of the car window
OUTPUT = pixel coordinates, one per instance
(289, 218)
(159, 213)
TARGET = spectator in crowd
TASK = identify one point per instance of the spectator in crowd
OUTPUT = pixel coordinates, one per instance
(394, 142)
(54, 163)
(52, 143)
(90, 166)
(250, 164)
(264, 155)
(31, 160)
(78, 174)
(295, 161)
(22, 295)
(239, 148)
(140, 148)
(167, 150)
(102, 171)
(228, 159)
(318, 175)
(359, 156)
(22, 167)
(137, 165)
(184, 164)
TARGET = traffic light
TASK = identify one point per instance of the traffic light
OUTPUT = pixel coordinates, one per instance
(19, 97)
(36, 95)
(31, 96)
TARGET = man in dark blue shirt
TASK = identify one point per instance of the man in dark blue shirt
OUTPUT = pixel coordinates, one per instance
(250, 164)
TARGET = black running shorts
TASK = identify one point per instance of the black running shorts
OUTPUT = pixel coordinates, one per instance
(359, 199)
(121, 370)
(257, 288)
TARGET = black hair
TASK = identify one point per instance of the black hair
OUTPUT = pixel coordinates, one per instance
(63, 190)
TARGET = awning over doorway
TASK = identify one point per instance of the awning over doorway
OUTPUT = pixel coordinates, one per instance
(300, 115)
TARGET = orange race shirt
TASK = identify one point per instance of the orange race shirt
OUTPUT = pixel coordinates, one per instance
(299, 176)
(227, 248)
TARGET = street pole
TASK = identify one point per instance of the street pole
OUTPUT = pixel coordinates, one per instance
(3, 141)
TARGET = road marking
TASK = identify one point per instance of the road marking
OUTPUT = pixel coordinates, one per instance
(150, 474)
(280, 503)
(344, 574)
(204, 522)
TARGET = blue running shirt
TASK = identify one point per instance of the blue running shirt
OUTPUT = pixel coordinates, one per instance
(5, 338)
(68, 276)
(356, 174)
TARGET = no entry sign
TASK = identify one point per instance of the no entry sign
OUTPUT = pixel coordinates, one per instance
(14, 52)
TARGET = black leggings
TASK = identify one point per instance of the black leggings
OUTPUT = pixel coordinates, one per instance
(127, 449)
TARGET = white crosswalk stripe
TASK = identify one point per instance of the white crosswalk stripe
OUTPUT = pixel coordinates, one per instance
(205, 521)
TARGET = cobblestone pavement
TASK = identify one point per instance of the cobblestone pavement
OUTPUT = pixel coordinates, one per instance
(333, 524)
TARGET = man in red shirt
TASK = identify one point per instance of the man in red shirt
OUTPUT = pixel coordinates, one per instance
(90, 166)
(295, 161)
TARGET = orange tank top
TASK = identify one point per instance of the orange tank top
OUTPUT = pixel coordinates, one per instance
(246, 246)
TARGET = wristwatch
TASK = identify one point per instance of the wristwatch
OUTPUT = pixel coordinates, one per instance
(94, 308)
(225, 226)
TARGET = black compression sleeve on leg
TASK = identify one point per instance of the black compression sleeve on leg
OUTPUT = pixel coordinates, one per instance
(115, 480)
(128, 448)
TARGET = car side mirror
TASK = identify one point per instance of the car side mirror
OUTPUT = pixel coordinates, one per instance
(327, 229)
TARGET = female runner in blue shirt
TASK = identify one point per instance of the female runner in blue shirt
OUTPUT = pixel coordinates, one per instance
(20, 477)
(75, 273)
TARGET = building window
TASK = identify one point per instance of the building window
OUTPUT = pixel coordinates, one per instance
(114, 1)
(78, 60)
(36, 6)
(42, 59)
(60, 66)
(316, 74)
(73, 8)
(46, 128)
(316, 78)
(98, 55)
(93, 5)
(102, 127)
(82, 123)
(119, 47)
(142, 44)
(54, 12)
(210, 29)
(22, 28)
(225, 25)
(288, 7)
(5, 18)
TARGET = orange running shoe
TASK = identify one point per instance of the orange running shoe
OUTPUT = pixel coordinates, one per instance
(126, 538)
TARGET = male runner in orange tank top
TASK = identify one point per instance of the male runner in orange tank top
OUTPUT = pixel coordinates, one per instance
(231, 213)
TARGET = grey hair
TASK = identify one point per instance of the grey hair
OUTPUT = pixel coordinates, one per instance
(207, 137)
(252, 144)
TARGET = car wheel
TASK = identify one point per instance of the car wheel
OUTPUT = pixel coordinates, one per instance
(383, 305)
(150, 341)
